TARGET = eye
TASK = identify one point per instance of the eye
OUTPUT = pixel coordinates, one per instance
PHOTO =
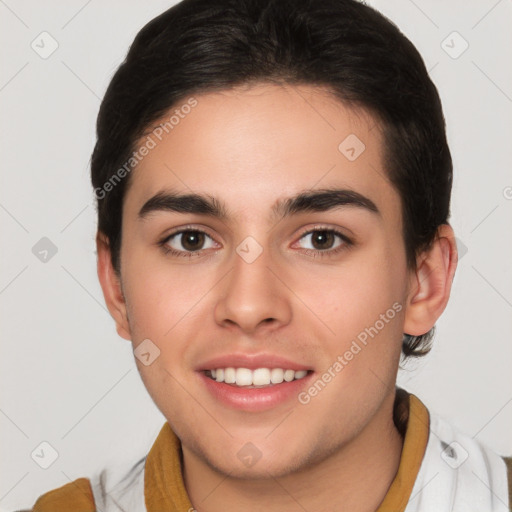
(323, 240)
(189, 241)
(318, 242)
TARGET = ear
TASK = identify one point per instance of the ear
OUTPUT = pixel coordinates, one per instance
(111, 286)
(430, 284)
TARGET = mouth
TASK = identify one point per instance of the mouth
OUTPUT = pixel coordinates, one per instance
(255, 390)
(257, 378)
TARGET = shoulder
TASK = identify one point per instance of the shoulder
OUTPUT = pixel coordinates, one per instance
(454, 466)
(113, 487)
(77, 494)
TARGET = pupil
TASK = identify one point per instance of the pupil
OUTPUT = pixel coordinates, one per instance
(192, 240)
(323, 239)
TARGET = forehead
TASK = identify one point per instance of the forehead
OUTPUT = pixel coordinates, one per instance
(253, 145)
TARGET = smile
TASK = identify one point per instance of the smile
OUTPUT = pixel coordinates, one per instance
(260, 377)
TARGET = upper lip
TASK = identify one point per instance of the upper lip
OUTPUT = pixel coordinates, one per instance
(251, 361)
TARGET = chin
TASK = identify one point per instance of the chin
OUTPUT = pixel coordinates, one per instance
(251, 463)
(261, 470)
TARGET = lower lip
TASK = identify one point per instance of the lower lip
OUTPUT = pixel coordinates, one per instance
(255, 399)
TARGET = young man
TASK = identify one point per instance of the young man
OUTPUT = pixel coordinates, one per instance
(273, 186)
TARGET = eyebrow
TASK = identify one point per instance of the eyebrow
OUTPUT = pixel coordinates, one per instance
(318, 200)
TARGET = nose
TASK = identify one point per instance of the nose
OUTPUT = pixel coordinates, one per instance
(252, 298)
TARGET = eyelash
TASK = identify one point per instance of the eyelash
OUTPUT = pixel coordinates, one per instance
(315, 253)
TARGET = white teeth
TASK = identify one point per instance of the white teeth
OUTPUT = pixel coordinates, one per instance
(243, 377)
(229, 375)
(258, 377)
(276, 375)
(289, 375)
(261, 377)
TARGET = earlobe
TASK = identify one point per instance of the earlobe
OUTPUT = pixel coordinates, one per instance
(430, 284)
(111, 286)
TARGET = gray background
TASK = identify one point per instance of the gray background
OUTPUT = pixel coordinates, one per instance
(69, 380)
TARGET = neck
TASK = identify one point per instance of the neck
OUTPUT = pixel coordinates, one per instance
(355, 478)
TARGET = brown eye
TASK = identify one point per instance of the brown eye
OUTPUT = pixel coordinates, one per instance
(322, 240)
(192, 240)
(189, 241)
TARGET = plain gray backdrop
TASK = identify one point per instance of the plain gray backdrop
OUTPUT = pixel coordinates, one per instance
(67, 378)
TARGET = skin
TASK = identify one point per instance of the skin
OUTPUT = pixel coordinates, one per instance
(250, 147)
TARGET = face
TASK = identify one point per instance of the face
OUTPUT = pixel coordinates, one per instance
(291, 258)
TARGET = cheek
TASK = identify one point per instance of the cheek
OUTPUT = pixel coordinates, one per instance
(167, 304)
(364, 310)
(352, 297)
(362, 304)
(161, 296)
